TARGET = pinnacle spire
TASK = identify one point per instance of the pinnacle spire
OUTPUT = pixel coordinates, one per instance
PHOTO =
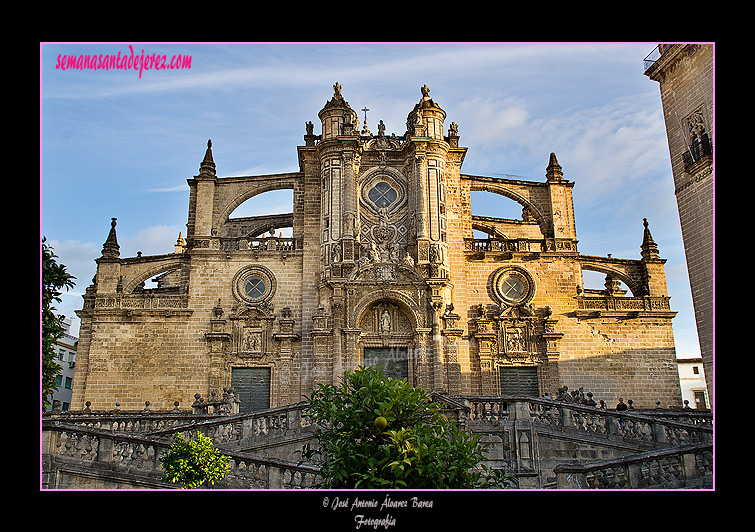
(110, 248)
(553, 172)
(649, 247)
(208, 164)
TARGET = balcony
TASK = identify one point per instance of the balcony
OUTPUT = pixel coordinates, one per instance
(652, 57)
(698, 150)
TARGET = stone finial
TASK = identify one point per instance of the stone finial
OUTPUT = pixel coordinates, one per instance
(553, 172)
(180, 246)
(649, 247)
(425, 92)
(208, 164)
(338, 99)
(110, 248)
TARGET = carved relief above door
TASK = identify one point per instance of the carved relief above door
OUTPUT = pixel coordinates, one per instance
(252, 334)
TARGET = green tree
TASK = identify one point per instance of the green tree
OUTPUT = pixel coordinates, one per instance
(377, 432)
(193, 463)
(54, 278)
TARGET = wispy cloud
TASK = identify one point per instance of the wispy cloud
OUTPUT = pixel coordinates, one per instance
(177, 188)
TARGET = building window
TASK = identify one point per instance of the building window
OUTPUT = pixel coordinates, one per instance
(69, 383)
(698, 139)
(514, 286)
(700, 401)
(254, 284)
(695, 370)
(254, 287)
(382, 193)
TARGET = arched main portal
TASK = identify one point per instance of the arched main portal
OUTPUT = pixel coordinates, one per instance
(392, 335)
(386, 339)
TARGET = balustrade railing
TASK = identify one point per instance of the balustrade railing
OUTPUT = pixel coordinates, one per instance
(259, 244)
(683, 467)
(130, 421)
(644, 430)
(623, 303)
(496, 245)
(134, 440)
(140, 454)
(273, 424)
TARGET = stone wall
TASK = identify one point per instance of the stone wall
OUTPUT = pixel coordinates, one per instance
(685, 76)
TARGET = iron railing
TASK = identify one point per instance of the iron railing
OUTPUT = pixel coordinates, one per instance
(652, 57)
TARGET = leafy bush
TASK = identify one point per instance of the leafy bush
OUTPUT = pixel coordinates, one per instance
(378, 432)
(54, 277)
(193, 462)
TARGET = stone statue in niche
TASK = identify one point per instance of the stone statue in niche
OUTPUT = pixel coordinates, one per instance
(336, 253)
(383, 216)
(436, 254)
(385, 321)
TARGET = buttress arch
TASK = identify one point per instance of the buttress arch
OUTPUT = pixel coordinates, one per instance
(231, 194)
(148, 271)
(505, 190)
(635, 285)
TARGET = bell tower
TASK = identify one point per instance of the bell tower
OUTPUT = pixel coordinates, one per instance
(426, 152)
(338, 153)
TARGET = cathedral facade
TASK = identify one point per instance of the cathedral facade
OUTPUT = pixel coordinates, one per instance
(382, 268)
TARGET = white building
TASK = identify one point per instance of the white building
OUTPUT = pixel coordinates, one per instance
(65, 355)
(692, 382)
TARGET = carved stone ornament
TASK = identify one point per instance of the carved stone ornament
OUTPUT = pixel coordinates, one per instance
(517, 341)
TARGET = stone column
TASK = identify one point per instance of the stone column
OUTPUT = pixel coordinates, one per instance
(219, 340)
(486, 348)
(451, 340)
(351, 355)
(552, 354)
(286, 337)
(326, 367)
(422, 365)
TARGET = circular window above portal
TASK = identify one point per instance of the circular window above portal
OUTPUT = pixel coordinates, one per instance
(514, 286)
(382, 188)
(382, 194)
(254, 284)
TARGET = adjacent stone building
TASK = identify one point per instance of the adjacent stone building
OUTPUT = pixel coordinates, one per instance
(382, 268)
(685, 75)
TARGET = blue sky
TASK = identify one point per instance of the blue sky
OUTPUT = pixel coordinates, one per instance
(114, 144)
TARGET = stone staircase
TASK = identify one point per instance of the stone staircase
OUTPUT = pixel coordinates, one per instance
(545, 444)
